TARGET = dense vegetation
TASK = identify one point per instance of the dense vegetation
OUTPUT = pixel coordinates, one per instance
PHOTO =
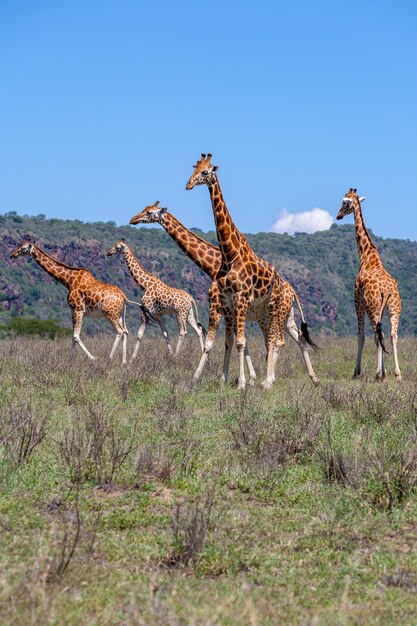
(130, 497)
(322, 267)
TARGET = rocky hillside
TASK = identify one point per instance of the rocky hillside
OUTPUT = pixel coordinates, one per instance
(322, 268)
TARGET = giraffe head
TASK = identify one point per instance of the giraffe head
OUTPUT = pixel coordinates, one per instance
(349, 202)
(118, 248)
(149, 215)
(203, 172)
(25, 249)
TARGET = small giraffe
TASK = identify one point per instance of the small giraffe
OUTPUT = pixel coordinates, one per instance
(375, 289)
(246, 283)
(161, 299)
(208, 258)
(87, 296)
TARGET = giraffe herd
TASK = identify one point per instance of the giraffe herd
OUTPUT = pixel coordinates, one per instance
(244, 287)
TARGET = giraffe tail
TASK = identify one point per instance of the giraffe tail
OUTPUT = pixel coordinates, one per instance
(149, 317)
(379, 333)
(304, 327)
(193, 303)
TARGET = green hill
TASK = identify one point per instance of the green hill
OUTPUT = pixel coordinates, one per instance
(322, 268)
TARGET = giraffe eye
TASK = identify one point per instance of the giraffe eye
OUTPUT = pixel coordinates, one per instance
(205, 172)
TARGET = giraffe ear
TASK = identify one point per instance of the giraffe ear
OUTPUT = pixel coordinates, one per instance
(215, 168)
(362, 198)
(163, 210)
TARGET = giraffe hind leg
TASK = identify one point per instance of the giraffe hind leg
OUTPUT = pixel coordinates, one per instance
(292, 330)
(394, 321)
(196, 328)
(121, 331)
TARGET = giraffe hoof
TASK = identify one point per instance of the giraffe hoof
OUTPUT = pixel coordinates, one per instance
(355, 375)
(315, 381)
(266, 384)
(252, 382)
(380, 377)
(398, 377)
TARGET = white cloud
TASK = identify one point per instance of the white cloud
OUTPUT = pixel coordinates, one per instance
(305, 222)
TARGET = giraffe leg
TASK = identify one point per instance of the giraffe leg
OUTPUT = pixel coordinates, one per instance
(241, 307)
(292, 330)
(394, 321)
(115, 344)
(274, 345)
(192, 322)
(141, 332)
(182, 327)
(360, 314)
(228, 322)
(380, 371)
(77, 320)
(121, 331)
(215, 316)
(252, 373)
(165, 334)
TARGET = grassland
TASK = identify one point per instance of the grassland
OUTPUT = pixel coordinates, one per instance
(128, 496)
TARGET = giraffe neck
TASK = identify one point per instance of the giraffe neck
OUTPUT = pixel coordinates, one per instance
(231, 241)
(62, 273)
(366, 248)
(141, 276)
(203, 253)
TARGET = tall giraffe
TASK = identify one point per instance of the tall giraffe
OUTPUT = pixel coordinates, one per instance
(246, 282)
(375, 289)
(161, 299)
(87, 296)
(208, 258)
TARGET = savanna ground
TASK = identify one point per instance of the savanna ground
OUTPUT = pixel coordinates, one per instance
(128, 496)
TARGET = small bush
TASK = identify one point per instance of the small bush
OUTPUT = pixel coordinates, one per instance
(190, 526)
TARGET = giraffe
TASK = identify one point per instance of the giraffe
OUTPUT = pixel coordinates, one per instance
(86, 296)
(375, 289)
(246, 283)
(208, 258)
(161, 299)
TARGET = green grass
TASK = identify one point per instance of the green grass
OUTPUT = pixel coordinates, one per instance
(130, 496)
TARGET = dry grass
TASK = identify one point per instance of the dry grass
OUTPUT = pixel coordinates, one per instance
(131, 496)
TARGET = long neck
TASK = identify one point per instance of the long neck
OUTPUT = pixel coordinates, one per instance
(62, 273)
(141, 276)
(231, 241)
(203, 253)
(366, 249)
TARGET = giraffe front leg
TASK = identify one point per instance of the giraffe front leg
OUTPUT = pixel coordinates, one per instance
(241, 303)
(77, 321)
(360, 314)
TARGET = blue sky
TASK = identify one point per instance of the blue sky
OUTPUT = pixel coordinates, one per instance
(106, 105)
